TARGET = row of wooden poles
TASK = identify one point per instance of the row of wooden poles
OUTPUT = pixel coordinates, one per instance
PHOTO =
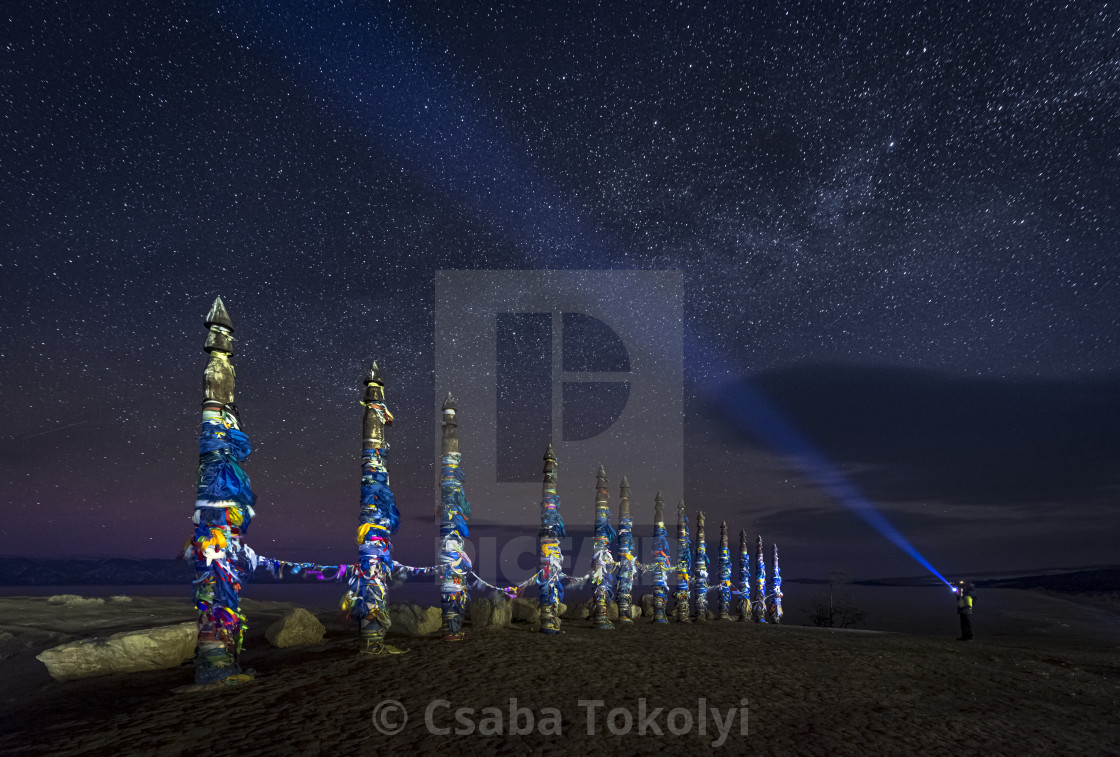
(224, 510)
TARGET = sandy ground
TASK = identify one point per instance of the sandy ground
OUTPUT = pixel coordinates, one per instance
(793, 690)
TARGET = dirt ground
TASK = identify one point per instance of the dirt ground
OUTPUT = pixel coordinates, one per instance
(729, 688)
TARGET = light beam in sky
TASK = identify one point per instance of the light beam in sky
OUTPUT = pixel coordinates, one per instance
(442, 133)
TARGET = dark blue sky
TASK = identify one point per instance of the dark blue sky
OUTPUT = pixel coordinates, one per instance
(897, 220)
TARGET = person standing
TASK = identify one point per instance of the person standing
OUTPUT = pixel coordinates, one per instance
(964, 609)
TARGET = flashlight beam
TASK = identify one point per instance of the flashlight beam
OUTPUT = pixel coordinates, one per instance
(446, 137)
(750, 409)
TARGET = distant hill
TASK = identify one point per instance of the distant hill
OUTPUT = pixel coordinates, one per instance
(25, 571)
(1101, 580)
(110, 571)
(1088, 580)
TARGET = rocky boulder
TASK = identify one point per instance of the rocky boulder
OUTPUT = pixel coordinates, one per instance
(487, 612)
(74, 600)
(503, 611)
(526, 610)
(413, 620)
(125, 652)
(480, 611)
(296, 627)
(577, 611)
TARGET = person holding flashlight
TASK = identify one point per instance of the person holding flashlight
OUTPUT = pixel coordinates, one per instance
(964, 609)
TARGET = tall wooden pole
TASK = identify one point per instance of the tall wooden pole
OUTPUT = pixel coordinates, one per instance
(724, 569)
(662, 560)
(453, 531)
(223, 510)
(627, 562)
(775, 605)
(758, 601)
(684, 567)
(745, 583)
(551, 558)
(700, 565)
(602, 560)
(378, 521)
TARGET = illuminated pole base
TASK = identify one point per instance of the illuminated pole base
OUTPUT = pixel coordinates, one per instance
(372, 634)
(624, 612)
(375, 647)
(603, 624)
(701, 608)
(215, 663)
(682, 607)
(602, 617)
(238, 679)
(452, 627)
(550, 619)
(446, 634)
(371, 609)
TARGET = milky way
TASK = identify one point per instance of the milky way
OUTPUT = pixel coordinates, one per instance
(915, 197)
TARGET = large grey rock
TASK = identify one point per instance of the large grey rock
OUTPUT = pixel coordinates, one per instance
(480, 611)
(296, 627)
(612, 610)
(635, 612)
(494, 612)
(503, 611)
(647, 605)
(526, 610)
(125, 652)
(413, 620)
(428, 619)
(74, 600)
(577, 611)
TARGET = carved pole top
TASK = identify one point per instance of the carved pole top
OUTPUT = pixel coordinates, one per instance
(218, 315)
(374, 375)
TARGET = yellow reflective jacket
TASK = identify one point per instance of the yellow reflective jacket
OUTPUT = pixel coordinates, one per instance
(964, 603)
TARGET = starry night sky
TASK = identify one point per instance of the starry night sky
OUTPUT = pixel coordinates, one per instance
(896, 221)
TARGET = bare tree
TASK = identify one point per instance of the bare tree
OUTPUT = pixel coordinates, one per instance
(836, 608)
